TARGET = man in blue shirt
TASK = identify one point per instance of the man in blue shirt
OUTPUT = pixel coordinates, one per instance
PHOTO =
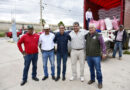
(61, 39)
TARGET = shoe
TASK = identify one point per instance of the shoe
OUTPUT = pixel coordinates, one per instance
(72, 78)
(100, 85)
(53, 78)
(45, 77)
(23, 82)
(57, 79)
(63, 79)
(120, 58)
(35, 79)
(113, 56)
(82, 79)
(91, 81)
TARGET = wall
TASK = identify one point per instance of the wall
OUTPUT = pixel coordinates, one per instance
(127, 14)
(5, 26)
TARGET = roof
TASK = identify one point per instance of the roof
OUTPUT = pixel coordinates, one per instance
(106, 4)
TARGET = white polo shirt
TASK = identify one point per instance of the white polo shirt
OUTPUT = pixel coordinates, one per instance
(78, 40)
(47, 41)
(89, 15)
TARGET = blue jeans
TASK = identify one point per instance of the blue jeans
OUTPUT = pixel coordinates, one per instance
(118, 45)
(45, 56)
(27, 61)
(59, 57)
(88, 23)
(94, 63)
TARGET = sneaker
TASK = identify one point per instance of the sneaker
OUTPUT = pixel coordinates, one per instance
(72, 78)
(82, 79)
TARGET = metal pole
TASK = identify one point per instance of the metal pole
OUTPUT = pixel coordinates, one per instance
(41, 11)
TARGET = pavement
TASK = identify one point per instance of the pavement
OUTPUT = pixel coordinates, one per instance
(116, 73)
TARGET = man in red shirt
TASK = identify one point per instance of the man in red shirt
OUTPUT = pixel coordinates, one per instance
(30, 41)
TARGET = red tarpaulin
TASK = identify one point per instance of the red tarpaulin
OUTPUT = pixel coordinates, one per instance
(107, 4)
(96, 5)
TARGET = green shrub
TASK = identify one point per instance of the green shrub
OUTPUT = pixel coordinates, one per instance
(2, 34)
(127, 52)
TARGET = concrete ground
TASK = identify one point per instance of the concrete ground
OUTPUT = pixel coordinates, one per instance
(116, 73)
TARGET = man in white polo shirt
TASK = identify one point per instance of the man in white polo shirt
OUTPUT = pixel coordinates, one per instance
(77, 52)
(89, 16)
(47, 47)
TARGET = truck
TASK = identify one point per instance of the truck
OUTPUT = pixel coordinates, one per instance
(102, 9)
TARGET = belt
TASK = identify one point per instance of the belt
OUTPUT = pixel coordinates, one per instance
(118, 41)
(48, 50)
(79, 49)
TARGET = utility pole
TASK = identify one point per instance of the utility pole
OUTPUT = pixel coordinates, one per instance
(40, 11)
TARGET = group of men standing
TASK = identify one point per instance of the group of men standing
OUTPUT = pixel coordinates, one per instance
(84, 46)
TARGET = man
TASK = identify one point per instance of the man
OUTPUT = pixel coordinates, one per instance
(30, 41)
(61, 39)
(47, 47)
(89, 16)
(120, 39)
(77, 52)
(94, 45)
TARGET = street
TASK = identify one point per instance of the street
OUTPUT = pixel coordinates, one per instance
(116, 73)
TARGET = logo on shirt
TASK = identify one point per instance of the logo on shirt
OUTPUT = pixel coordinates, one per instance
(94, 37)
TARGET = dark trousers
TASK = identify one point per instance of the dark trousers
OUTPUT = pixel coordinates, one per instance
(94, 64)
(88, 23)
(59, 57)
(27, 61)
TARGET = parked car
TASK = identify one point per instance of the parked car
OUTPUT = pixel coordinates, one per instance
(9, 34)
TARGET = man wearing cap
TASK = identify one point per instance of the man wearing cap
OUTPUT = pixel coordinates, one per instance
(120, 39)
(95, 50)
(30, 41)
(46, 41)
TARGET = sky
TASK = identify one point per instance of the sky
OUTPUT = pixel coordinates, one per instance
(54, 11)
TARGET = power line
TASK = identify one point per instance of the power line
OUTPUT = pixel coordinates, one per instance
(69, 12)
(56, 7)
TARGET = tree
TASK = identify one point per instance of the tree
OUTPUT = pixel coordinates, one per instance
(42, 21)
(60, 23)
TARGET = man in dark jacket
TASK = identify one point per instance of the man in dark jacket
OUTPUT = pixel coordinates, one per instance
(120, 39)
(61, 39)
(95, 50)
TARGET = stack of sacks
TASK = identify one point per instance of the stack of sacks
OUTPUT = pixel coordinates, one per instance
(115, 23)
(106, 24)
(96, 23)
(112, 24)
(102, 24)
(109, 13)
